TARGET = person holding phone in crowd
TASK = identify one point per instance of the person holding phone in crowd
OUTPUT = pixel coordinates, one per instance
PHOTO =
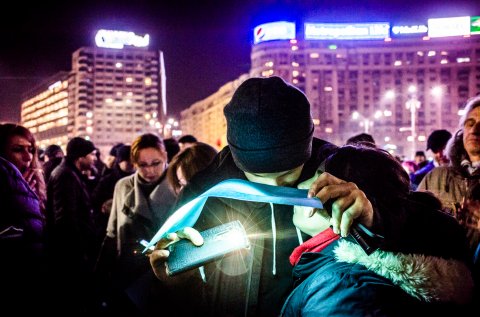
(270, 141)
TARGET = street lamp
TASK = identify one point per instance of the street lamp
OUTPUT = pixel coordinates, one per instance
(413, 104)
(153, 123)
(366, 122)
(170, 128)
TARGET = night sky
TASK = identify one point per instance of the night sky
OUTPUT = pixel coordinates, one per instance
(205, 43)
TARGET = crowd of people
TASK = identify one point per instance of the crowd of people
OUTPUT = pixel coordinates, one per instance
(73, 225)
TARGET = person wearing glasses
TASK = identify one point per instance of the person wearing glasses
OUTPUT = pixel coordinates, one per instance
(141, 203)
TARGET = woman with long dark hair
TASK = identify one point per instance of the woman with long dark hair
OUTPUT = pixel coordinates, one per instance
(18, 146)
(22, 221)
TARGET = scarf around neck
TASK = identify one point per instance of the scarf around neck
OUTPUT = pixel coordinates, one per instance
(315, 244)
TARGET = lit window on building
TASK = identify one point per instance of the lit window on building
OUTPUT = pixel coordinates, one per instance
(463, 60)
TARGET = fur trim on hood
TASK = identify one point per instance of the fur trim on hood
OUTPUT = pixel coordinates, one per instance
(428, 278)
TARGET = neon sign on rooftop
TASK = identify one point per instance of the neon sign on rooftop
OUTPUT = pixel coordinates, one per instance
(119, 39)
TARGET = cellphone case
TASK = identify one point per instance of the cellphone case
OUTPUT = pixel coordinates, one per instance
(218, 242)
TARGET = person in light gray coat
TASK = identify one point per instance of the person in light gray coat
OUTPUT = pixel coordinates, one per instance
(141, 203)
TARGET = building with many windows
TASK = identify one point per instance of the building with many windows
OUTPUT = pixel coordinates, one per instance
(374, 80)
(45, 111)
(112, 94)
(205, 120)
(398, 83)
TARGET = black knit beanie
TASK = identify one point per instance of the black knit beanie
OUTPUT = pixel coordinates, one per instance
(269, 126)
(438, 140)
(123, 153)
(52, 150)
(79, 147)
(114, 149)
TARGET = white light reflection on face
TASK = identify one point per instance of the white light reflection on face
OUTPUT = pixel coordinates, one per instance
(312, 226)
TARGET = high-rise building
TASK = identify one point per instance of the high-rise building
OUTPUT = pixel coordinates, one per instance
(396, 82)
(114, 92)
(45, 110)
(205, 120)
(364, 85)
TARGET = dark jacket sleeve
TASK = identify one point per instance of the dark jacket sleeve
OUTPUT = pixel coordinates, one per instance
(71, 210)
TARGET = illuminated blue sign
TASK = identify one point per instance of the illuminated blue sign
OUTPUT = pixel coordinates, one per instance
(274, 31)
(118, 39)
(346, 31)
(409, 29)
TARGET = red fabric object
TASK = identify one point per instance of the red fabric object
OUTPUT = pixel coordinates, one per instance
(315, 244)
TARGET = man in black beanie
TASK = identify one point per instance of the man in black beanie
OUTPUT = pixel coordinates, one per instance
(436, 142)
(270, 141)
(70, 221)
(111, 159)
(54, 155)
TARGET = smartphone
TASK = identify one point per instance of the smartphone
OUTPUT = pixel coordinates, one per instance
(218, 242)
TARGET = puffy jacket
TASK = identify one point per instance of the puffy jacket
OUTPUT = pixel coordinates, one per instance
(20, 216)
(342, 280)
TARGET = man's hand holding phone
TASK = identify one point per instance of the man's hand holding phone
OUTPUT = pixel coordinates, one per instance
(159, 256)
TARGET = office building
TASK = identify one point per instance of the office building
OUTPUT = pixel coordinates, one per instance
(396, 82)
(45, 110)
(114, 92)
(205, 120)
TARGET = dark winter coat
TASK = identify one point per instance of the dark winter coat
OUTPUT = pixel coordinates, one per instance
(22, 225)
(22, 244)
(70, 217)
(49, 166)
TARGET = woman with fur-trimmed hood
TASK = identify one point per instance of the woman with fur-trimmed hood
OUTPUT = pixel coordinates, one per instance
(421, 264)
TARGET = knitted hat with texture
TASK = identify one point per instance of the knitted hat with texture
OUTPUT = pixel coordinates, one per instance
(269, 126)
(79, 147)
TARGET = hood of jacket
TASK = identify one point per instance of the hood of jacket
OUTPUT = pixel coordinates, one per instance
(427, 278)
